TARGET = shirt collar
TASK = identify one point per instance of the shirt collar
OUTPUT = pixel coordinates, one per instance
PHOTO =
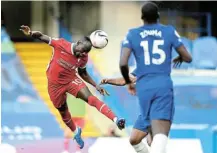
(72, 45)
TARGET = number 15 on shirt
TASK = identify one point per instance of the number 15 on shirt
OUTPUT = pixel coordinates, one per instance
(155, 50)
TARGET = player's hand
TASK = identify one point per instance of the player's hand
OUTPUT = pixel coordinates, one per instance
(177, 62)
(104, 81)
(26, 30)
(131, 88)
(102, 91)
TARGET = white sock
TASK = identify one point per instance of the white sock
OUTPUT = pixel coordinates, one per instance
(141, 148)
(115, 119)
(159, 144)
(76, 130)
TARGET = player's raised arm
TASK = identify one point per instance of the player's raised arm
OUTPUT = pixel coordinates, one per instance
(35, 34)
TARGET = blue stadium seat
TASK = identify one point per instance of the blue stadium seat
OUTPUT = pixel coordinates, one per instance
(205, 53)
(188, 45)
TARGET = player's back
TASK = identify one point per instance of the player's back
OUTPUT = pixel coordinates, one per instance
(152, 47)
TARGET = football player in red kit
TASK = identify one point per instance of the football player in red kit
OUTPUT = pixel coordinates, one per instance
(67, 62)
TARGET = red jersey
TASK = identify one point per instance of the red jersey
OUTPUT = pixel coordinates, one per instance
(63, 64)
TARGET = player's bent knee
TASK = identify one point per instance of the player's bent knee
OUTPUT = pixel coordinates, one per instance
(134, 140)
(84, 94)
(63, 107)
(137, 136)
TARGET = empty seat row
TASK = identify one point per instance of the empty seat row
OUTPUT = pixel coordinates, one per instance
(203, 51)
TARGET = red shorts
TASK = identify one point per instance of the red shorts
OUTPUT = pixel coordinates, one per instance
(57, 92)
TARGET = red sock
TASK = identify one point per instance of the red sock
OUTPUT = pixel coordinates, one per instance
(66, 144)
(101, 107)
(66, 117)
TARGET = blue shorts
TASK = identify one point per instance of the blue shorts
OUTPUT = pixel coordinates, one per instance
(142, 124)
(155, 104)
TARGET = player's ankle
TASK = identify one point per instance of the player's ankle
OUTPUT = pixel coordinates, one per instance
(141, 148)
(115, 119)
(76, 130)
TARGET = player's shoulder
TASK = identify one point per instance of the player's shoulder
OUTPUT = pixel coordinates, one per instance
(60, 40)
(170, 28)
(173, 31)
(135, 29)
(167, 27)
(158, 26)
(64, 42)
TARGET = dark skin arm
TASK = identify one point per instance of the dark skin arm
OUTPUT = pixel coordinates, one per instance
(35, 34)
(124, 64)
(184, 56)
(117, 81)
(125, 70)
(87, 78)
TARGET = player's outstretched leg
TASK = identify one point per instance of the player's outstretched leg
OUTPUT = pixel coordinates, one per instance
(66, 117)
(87, 96)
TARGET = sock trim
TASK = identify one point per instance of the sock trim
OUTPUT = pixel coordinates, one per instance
(141, 148)
(101, 107)
(68, 121)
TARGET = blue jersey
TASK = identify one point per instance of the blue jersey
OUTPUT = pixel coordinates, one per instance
(152, 48)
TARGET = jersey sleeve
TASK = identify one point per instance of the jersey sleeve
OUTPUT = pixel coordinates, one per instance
(54, 42)
(127, 43)
(176, 39)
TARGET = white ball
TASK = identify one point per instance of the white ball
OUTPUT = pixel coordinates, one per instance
(99, 39)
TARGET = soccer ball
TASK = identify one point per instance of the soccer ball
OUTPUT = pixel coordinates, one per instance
(99, 39)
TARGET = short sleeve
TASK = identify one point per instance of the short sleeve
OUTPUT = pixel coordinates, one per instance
(54, 41)
(176, 39)
(127, 43)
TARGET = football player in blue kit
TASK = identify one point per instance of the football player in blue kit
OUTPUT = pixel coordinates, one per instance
(151, 44)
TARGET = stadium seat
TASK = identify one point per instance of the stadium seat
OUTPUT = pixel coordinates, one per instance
(205, 53)
(188, 45)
